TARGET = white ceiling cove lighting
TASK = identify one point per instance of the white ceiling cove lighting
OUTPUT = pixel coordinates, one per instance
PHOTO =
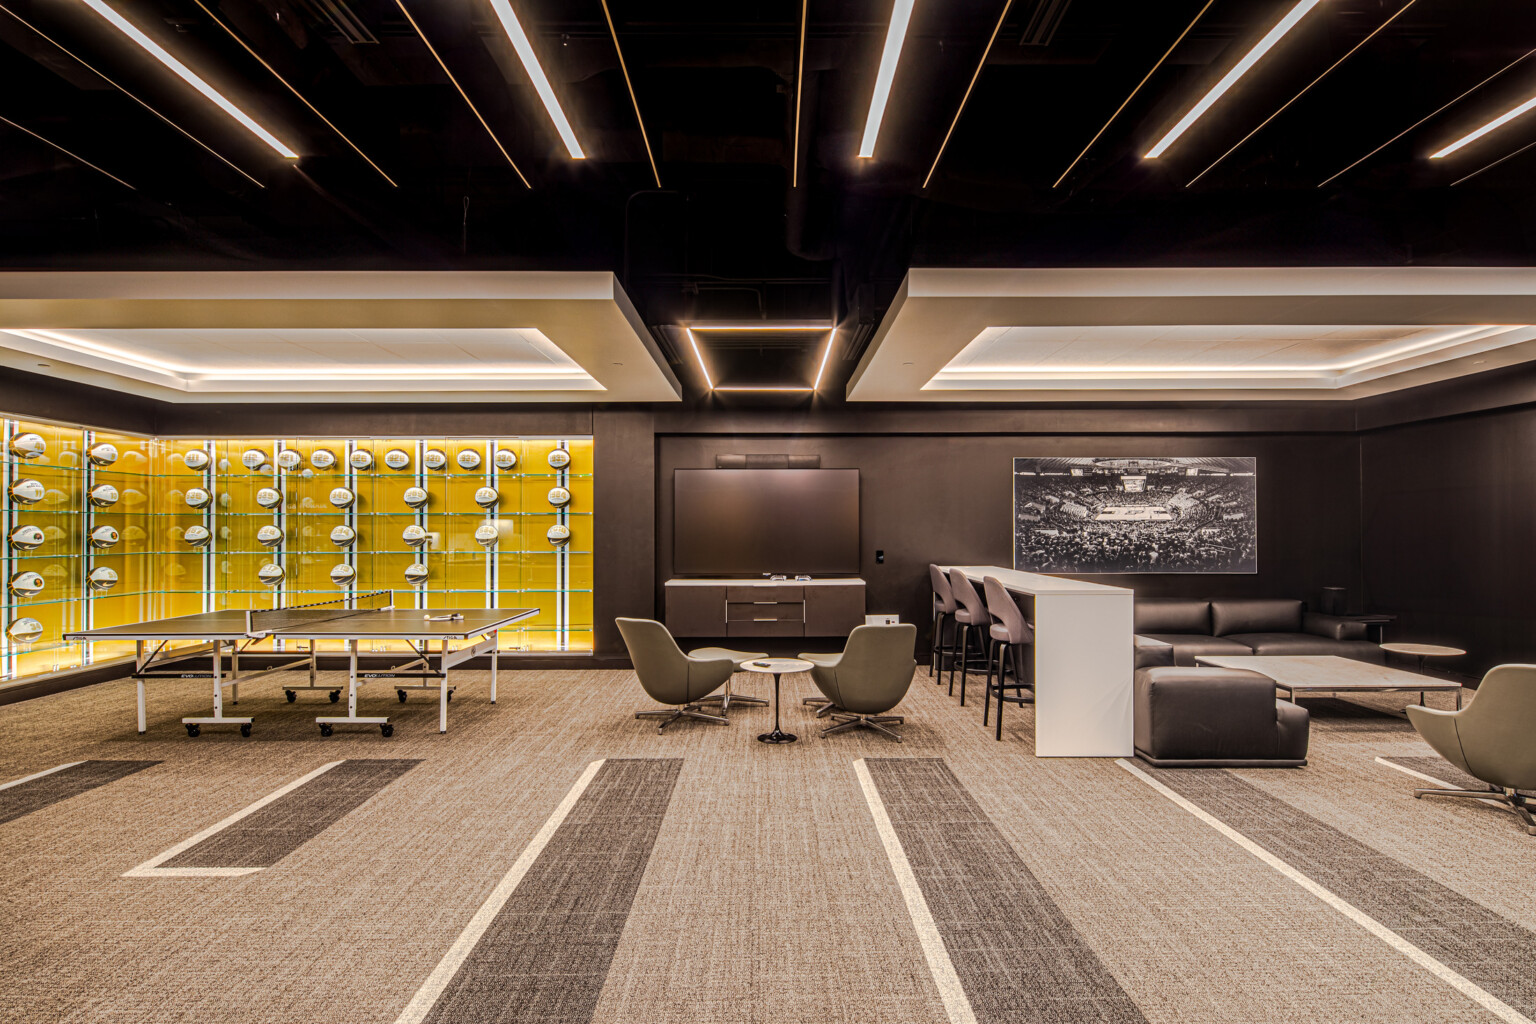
(1203, 355)
(186, 74)
(895, 35)
(1496, 123)
(242, 358)
(1230, 78)
(524, 48)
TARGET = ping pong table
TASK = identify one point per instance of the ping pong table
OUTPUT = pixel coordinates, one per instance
(429, 634)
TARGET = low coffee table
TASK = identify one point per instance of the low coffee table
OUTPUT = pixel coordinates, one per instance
(1301, 675)
(777, 666)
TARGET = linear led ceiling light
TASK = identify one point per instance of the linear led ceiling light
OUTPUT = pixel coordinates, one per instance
(535, 71)
(1497, 122)
(708, 382)
(760, 329)
(901, 13)
(825, 355)
(1230, 78)
(186, 75)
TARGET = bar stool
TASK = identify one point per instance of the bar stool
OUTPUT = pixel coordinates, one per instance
(1010, 634)
(943, 611)
(970, 617)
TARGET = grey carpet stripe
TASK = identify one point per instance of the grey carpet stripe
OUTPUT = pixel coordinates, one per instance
(1467, 937)
(546, 955)
(287, 823)
(1015, 953)
(61, 785)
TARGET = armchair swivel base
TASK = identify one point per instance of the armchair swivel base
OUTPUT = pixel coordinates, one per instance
(875, 722)
(1507, 798)
(670, 715)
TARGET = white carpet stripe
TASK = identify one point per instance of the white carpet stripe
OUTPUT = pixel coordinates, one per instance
(151, 868)
(1487, 1000)
(40, 774)
(1438, 782)
(426, 997)
(956, 1004)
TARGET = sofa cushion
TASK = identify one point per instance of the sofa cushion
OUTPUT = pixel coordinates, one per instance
(1300, 644)
(1172, 615)
(1150, 652)
(1187, 647)
(1255, 615)
(1335, 627)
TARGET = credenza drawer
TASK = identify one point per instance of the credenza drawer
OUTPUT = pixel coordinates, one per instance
(765, 593)
(781, 627)
(761, 611)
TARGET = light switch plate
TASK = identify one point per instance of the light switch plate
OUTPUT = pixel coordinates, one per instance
(882, 620)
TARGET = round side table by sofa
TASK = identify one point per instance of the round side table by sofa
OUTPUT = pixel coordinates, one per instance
(1424, 652)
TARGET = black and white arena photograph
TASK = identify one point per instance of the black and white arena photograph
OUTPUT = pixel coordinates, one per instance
(1135, 515)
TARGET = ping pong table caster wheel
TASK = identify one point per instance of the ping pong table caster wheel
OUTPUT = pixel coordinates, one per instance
(387, 730)
(290, 695)
(245, 730)
(450, 696)
(401, 695)
(335, 696)
(193, 730)
(326, 730)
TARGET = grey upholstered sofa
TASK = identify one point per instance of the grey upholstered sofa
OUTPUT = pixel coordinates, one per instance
(1216, 718)
(1239, 626)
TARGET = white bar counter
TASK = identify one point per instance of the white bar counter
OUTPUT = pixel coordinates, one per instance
(1084, 655)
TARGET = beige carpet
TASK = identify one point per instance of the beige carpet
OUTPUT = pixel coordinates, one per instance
(766, 895)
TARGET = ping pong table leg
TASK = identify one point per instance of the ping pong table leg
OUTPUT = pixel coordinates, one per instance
(138, 660)
(442, 690)
(494, 652)
(351, 678)
(234, 672)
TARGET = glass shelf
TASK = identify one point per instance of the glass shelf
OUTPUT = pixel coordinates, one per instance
(21, 467)
(26, 510)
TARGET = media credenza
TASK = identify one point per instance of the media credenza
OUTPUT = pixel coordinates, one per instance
(757, 607)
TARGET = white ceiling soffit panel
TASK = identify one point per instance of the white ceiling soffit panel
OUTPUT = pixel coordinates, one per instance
(990, 335)
(336, 336)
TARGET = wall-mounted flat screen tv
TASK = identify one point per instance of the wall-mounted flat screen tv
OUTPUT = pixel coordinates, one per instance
(746, 522)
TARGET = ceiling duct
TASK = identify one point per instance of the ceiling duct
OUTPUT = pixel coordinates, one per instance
(342, 18)
(1044, 22)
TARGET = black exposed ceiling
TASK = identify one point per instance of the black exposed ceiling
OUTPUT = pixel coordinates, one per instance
(726, 237)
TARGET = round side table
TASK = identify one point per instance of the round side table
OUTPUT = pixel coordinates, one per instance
(776, 667)
(1424, 652)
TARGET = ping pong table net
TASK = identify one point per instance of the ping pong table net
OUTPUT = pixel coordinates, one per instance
(271, 620)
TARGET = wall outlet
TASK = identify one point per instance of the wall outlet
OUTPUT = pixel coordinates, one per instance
(882, 620)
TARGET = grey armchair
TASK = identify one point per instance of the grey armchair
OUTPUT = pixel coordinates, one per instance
(726, 698)
(1489, 739)
(868, 679)
(669, 675)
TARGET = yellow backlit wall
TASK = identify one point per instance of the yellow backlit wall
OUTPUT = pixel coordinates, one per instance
(161, 574)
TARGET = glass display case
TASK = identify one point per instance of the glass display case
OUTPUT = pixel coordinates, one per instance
(102, 528)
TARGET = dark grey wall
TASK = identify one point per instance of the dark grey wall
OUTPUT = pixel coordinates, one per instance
(949, 499)
(1443, 535)
(1449, 533)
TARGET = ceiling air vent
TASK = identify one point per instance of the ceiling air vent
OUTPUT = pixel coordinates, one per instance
(342, 18)
(1044, 22)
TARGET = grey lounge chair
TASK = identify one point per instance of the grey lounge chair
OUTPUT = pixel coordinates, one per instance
(726, 698)
(1489, 739)
(868, 679)
(669, 675)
